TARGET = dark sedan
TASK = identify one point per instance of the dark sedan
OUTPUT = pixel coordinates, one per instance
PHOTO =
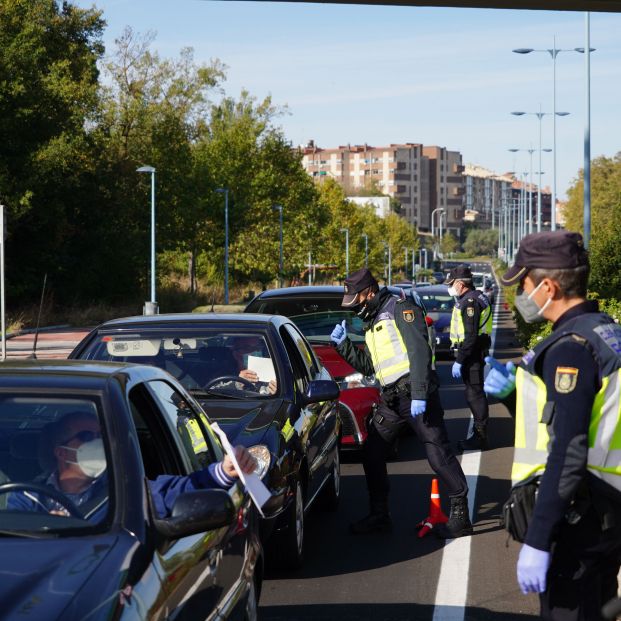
(115, 556)
(259, 378)
(439, 306)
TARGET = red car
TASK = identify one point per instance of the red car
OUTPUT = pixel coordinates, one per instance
(315, 311)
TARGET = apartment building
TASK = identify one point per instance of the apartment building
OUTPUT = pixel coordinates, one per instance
(396, 169)
(446, 190)
(485, 192)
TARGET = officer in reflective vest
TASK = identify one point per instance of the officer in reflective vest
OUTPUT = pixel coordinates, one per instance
(568, 430)
(397, 352)
(471, 326)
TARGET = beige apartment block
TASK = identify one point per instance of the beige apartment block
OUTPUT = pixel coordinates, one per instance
(485, 196)
(396, 169)
(446, 190)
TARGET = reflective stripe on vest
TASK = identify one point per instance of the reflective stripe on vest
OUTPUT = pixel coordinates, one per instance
(458, 331)
(388, 353)
(532, 439)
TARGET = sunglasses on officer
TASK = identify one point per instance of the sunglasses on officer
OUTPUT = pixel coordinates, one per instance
(86, 435)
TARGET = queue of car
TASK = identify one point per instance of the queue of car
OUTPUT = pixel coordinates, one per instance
(272, 380)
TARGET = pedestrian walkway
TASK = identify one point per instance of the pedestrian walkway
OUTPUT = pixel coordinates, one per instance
(52, 344)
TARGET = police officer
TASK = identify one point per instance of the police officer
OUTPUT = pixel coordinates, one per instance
(471, 326)
(397, 351)
(568, 398)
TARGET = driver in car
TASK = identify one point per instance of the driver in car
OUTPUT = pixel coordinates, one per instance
(81, 476)
(243, 348)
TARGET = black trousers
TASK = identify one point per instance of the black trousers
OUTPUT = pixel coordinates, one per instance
(472, 374)
(389, 421)
(583, 572)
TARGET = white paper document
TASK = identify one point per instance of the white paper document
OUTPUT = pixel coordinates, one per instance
(257, 490)
(263, 367)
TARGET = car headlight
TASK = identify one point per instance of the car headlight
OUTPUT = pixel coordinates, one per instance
(357, 380)
(263, 458)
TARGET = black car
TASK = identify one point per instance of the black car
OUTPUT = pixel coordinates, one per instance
(115, 556)
(257, 376)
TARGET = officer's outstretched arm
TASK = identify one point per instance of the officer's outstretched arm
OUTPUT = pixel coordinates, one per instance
(356, 357)
(501, 379)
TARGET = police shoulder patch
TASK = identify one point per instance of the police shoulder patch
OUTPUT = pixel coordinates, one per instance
(470, 311)
(408, 315)
(565, 379)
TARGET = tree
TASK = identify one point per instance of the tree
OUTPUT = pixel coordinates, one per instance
(449, 244)
(481, 242)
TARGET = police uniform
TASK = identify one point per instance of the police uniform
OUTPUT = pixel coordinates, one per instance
(471, 327)
(568, 432)
(397, 352)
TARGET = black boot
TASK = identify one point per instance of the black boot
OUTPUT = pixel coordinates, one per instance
(476, 442)
(458, 523)
(378, 520)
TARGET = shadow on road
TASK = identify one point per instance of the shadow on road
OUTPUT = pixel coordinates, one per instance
(380, 612)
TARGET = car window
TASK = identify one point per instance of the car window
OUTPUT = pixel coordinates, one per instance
(308, 358)
(438, 303)
(315, 315)
(56, 449)
(188, 425)
(299, 368)
(205, 361)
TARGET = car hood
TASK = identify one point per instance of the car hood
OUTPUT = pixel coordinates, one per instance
(333, 361)
(247, 422)
(39, 578)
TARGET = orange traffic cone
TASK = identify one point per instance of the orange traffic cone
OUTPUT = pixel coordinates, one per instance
(436, 515)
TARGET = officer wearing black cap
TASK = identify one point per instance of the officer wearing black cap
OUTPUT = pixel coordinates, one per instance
(568, 430)
(397, 352)
(471, 325)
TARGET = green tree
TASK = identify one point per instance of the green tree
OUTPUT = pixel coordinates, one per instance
(481, 242)
(449, 244)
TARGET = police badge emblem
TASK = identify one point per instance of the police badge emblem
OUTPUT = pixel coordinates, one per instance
(470, 311)
(565, 379)
(408, 315)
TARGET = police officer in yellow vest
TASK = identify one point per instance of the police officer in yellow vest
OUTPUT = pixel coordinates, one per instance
(568, 430)
(471, 326)
(397, 352)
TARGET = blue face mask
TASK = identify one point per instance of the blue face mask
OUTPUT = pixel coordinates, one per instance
(528, 308)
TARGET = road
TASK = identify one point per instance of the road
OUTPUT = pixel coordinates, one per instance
(398, 577)
(51, 343)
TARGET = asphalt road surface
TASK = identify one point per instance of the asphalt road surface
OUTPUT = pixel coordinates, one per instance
(394, 577)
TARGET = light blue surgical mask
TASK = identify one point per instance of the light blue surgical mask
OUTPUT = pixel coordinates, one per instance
(528, 308)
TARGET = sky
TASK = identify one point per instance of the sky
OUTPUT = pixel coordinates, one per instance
(380, 74)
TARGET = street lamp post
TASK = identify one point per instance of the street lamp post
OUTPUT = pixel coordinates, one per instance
(280, 259)
(440, 209)
(225, 191)
(554, 52)
(405, 252)
(150, 308)
(346, 231)
(366, 249)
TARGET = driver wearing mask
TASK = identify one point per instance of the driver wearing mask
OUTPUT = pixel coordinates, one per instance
(244, 347)
(81, 474)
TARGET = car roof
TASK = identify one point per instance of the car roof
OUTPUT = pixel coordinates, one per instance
(438, 289)
(195, 319)
(309, 290)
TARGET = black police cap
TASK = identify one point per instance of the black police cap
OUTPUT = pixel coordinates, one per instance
(461, 272)
(553, 250)
(355, 283)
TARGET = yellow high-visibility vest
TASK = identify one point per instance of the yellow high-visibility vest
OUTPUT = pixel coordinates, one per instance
(532, 437)
(458, 330)
(386, 347)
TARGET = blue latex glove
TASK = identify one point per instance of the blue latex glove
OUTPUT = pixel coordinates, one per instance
(456, 370)
(532, 567)
(339, 334)
(418, 407)
(501, 379)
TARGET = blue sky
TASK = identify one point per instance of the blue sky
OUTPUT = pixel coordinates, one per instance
(378, 74)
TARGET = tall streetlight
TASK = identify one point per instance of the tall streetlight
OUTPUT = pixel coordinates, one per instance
(554, 52)
(150, 308)
(225, 191)
(440, 209)
(405, 253)
(540, 116)
(388, 255)
(346, 231)
(366, 249)
(530, 197)
(280, 259)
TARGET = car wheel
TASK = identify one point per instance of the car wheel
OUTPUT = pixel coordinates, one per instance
(288, 547)
(331, 493)
(251, 612)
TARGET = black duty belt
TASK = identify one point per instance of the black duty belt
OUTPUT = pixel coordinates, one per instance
(402, 385)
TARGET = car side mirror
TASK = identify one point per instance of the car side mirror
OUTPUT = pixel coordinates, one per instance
(196, 512)
(321, 390)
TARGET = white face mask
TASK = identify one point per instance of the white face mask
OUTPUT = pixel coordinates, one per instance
(452, 291)
(90, 458)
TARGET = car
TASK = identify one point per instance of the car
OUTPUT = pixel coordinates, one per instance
(439, 306)
(483, 283)
(439, 277)
(282, 405)
(316, 310)
(203, 560)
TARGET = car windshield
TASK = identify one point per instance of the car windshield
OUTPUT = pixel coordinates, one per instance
(315, 316)
(437, 302)
(478, 280)
(232, 364)
(53, 465)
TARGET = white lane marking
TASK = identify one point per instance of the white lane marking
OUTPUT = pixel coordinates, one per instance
(452, 590)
